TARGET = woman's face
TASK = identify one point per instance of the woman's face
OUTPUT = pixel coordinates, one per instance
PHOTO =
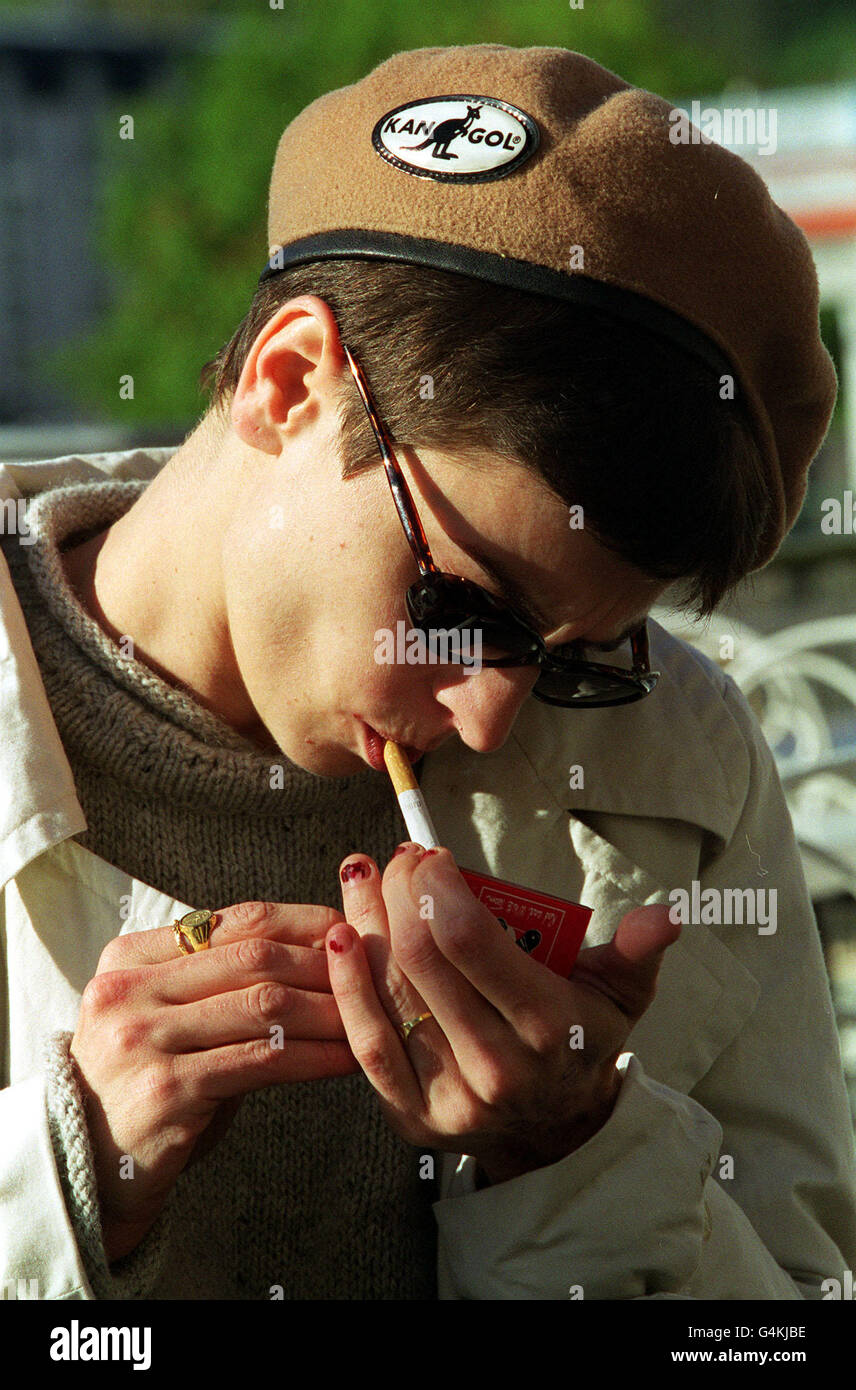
(316, 568)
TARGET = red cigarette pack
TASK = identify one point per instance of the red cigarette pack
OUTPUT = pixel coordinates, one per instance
(548, 929)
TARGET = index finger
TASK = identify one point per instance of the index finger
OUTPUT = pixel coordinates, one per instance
(293, 924)
(469, 942)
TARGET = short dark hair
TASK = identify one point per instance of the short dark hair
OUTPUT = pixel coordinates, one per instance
(614, 418)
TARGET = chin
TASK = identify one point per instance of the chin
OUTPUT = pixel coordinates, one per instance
(325, 760)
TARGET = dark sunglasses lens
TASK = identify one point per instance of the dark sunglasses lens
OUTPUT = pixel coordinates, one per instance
(586, 688)
(446, 604)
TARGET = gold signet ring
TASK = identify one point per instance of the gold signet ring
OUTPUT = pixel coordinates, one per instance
(194, 927)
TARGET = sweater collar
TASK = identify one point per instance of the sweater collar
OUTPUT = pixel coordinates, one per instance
(64, 684)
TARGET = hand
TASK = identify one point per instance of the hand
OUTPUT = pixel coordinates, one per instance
(167, 1045)
(492, 1074)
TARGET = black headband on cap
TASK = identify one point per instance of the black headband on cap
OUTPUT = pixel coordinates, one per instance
(506, 271)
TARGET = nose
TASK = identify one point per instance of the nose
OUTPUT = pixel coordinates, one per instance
(485, 705)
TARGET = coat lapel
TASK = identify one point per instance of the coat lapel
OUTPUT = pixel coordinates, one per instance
(704, 994)
(509, 814)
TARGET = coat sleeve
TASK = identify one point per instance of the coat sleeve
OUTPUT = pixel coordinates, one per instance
(51, 1246)
(39, 1257)
(745, 1189)
(134, 1276)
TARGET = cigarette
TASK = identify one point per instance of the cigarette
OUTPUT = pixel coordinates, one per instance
(410, 798)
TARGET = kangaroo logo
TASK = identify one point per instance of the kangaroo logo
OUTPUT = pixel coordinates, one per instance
(491, 138)
(446, 132)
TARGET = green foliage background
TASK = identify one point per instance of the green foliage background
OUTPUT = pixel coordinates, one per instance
(183, 223)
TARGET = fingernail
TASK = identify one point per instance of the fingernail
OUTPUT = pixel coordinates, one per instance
(358, 869)
(339, 945)
(405, 845)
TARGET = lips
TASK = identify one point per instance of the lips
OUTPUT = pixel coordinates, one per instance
(374, 748)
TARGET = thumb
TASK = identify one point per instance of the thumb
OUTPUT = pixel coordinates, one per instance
(644, 934)
(626, 968)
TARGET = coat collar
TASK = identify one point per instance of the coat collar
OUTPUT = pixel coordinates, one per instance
(38, 802)
(510, 814)
(676, 755)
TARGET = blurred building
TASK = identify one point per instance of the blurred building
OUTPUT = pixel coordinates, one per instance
(803, 144)
(61, 74)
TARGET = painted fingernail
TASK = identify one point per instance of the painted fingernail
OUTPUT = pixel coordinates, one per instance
(339, 944)
(359, 869)
(406, 845)
(430, 851)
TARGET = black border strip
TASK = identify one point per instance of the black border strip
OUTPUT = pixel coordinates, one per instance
(505, 270)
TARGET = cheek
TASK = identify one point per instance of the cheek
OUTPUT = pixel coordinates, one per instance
(376, 673)
(309, 611)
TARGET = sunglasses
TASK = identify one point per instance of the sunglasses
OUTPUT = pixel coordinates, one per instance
(446, 604)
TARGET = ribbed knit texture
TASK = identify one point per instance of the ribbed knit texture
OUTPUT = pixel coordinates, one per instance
(309, 1189)
(137, 1275)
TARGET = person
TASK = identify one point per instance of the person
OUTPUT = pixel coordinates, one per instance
(591, 353)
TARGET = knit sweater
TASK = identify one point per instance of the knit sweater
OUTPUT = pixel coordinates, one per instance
(309, 1191)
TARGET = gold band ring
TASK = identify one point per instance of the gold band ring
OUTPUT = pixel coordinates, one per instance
(405, 1029)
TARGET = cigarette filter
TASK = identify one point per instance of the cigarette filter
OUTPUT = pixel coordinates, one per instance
(549, 929)
(416, 817)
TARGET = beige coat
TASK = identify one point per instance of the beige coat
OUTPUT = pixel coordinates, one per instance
(727, 1167)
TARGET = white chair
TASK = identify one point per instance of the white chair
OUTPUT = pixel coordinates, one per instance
(805, 701)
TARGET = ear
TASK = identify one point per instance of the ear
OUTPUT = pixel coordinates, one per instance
(294, 362)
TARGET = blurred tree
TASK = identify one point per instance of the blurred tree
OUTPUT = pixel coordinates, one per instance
(184, 220)
(772, 43)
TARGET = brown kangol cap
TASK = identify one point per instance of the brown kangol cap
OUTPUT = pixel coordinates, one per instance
(538, 169)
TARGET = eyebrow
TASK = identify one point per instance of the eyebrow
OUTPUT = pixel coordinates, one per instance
(513, 594)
